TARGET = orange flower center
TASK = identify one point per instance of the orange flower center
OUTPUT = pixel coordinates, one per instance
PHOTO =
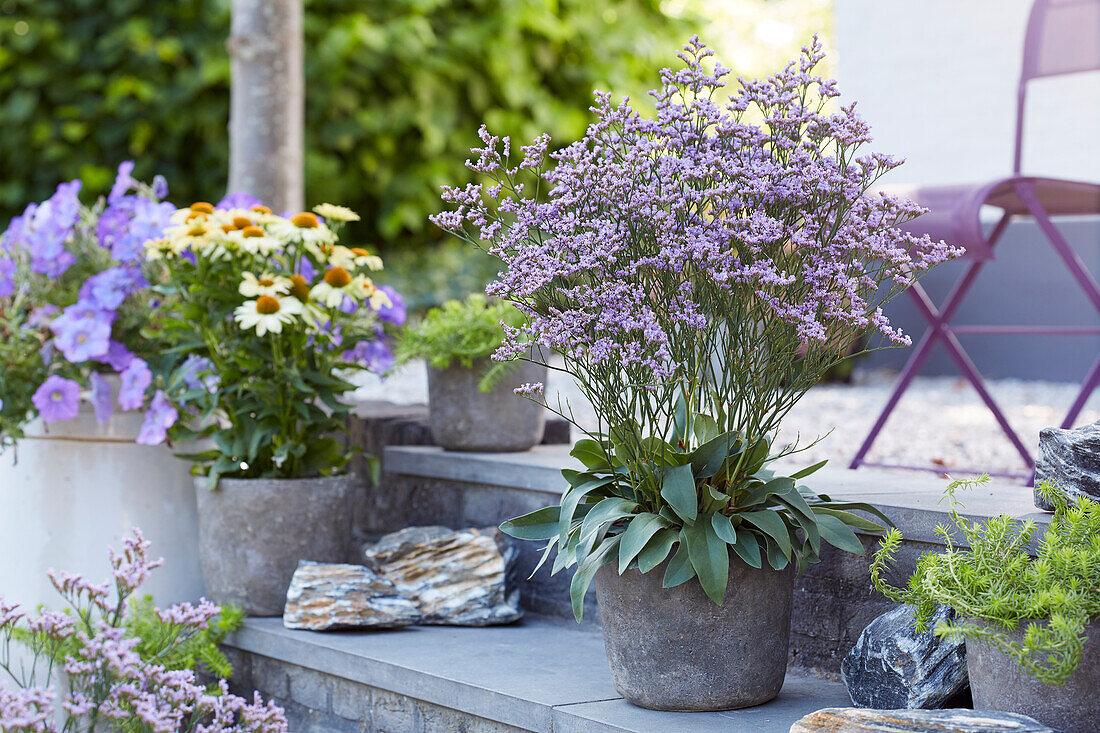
(265, 282)
(197, 229)
(360, 252)
(241, 222)
(203, 207)
(227, 228)
(267, 305)
(261, 209)
(368, 286)
(299, 288)
(196, 215)
(252, 231)
(337, 277)
(305, 220)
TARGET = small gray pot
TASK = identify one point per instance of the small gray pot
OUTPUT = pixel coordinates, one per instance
(674, 649)
(997, 683)
(253, 532)
(464, 419)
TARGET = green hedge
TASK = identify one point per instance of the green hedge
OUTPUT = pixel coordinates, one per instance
(395, 89)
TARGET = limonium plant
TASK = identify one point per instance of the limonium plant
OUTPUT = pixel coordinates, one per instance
(73, 299)
(698, 271)
(267, 316)
(996, 580)
(114, 680)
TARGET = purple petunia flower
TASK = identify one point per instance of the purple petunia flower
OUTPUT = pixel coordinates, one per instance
(394, 313)
(109, 288)
(101, 397)
(118, 357)
(374, 354)
(124, 181)
(307, 270)
(42, 229)
(57, 399)
(136, 378)
(160, 187)
(125, 226)
(7, 276)
(42, 316)
(160, 416)
(198, 372)
(238, 200)
(83, 339)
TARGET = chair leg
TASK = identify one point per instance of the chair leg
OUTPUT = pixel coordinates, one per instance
(911, 369)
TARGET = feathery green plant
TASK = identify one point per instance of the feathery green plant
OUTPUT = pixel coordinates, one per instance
(462, 332)
(995, 583)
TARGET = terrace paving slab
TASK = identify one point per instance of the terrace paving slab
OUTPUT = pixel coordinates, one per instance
(538, 675)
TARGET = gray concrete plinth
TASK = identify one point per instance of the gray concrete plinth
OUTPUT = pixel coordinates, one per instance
(464, 419)
(675, 649)
(997, 683)
(253, 532)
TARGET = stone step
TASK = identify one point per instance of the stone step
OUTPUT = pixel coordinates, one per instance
(537, 675)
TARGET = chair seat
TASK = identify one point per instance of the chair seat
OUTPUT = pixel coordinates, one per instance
(954, 211)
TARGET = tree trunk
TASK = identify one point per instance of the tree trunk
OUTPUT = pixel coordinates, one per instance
(267, 102)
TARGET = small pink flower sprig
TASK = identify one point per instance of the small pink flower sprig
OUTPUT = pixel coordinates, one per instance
(108, 683)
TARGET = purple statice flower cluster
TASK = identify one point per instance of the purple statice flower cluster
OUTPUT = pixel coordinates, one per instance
(106, 678)
(80, 320)
(731, 230)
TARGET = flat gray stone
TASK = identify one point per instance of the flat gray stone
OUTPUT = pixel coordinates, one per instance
(324, 597)
(892, 666)
(1070, 459)
(862, 720)
(456, 578)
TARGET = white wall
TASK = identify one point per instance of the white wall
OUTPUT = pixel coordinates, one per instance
(937, 81)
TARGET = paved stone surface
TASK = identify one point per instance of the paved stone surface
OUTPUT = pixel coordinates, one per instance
(454, 577)
(892, 666)
(324, 596)
(863, 720)
(535, 676)
(1070, 459)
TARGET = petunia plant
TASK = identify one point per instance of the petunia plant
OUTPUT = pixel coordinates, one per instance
(73, 298)
(267, 317)
(698, 271)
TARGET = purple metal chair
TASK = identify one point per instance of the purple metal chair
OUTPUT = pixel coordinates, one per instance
(1063, 37)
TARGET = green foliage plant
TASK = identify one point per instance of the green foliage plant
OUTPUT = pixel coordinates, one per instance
(995, 579)
(698, 271)
(462, 333)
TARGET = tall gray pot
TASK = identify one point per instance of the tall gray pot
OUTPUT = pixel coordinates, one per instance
(674, 649)
(253, 532)
(997, 683)
(464, 419)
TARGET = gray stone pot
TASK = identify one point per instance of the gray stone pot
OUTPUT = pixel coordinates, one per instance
(464, 419)
(674, 649)
(997, 683)
(253, 532)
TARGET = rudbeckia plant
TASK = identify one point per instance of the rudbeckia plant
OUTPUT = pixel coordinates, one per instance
(267, 317)
(74, 295)
(698, 271)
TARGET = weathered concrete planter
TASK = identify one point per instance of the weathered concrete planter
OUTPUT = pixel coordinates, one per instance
(464, 419)
(69, 493)
(674, 649)
(997, 684)
(253, 532)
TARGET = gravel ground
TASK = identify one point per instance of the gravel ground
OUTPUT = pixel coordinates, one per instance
(939, 422)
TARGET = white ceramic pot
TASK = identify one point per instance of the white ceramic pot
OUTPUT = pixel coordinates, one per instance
(68, 493)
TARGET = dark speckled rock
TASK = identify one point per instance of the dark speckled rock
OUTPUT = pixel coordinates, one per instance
(862, 720)
(1071, 460)
(892, 666)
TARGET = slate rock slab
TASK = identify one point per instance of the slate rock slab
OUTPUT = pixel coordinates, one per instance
(892, 666)
(957, 720)
(455, 577)
(1070, 459)
(324, 597)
